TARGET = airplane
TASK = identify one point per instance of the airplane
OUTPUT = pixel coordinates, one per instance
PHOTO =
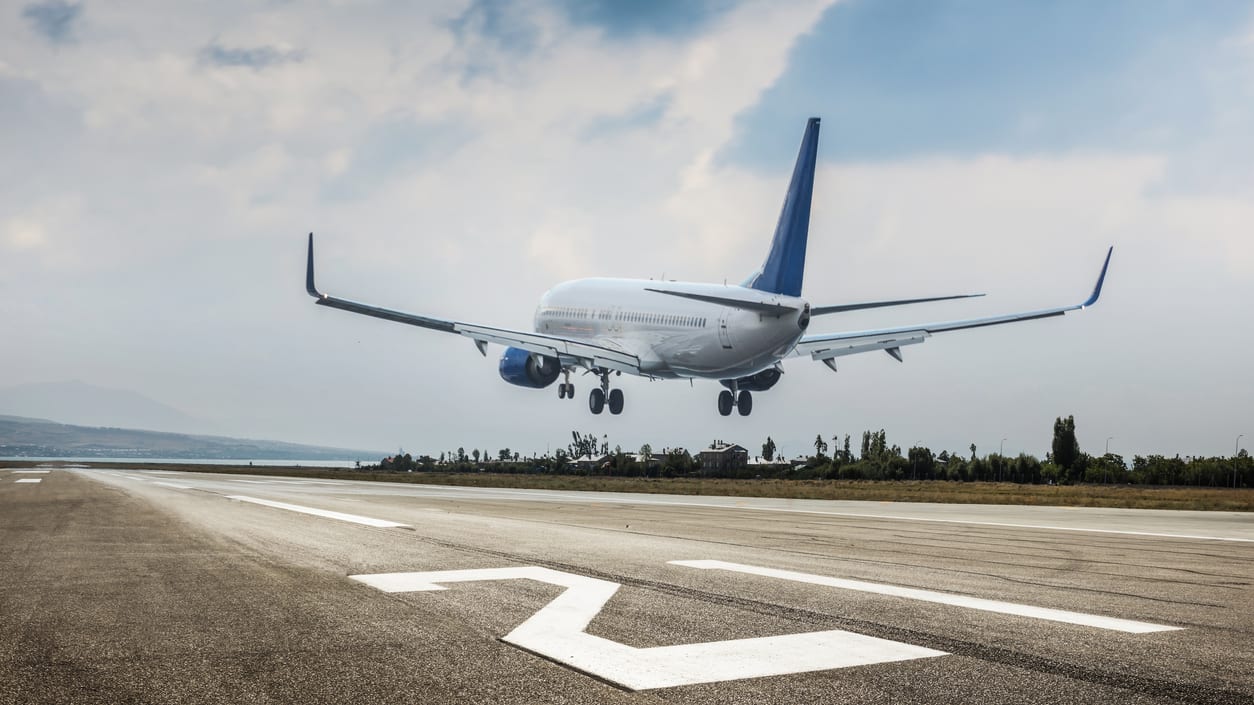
(738, 336)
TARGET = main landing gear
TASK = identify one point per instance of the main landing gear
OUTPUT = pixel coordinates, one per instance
(729, 398)
(600, 396)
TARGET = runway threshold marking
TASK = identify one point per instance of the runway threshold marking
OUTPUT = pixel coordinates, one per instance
(944, 598)
(30, 480)
(31, 472)
(353, 518)
(557, 632)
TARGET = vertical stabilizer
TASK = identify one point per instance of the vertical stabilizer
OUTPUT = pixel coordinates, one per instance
(784, 267)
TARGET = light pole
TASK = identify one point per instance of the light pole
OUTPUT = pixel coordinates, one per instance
(1106, 461)
(1236, 450)
(1001, 459)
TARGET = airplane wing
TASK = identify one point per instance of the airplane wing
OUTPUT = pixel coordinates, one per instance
(826, 347)
(567, 350)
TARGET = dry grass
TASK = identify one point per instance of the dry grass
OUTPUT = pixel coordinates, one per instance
(1123, 496)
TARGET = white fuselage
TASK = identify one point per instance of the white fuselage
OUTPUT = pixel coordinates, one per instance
(674, 337)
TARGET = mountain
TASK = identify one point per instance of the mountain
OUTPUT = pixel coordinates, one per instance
(79, 403)
(24, 437)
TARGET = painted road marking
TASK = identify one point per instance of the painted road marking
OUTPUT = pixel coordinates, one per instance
(557, 632)
(31, 472)
(383, 523)
(543, 496)
(174, 485)
(31, 480)
(944, 598)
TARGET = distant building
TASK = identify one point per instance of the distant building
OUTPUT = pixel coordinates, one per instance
(650, 459)
(591, 462)
(724, 456)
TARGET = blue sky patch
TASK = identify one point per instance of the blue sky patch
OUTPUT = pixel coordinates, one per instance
(54, 19)
(898, 78)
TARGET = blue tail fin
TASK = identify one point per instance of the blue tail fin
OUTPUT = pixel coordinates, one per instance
(785, 265)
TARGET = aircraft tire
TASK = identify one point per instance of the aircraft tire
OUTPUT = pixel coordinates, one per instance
(616, 401)
(725, 403)
(596, 401)
(745, 404)
(561, 391)
(570, 390)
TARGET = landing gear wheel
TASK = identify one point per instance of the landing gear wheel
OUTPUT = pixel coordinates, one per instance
(561, 391)
(745, 404)
(570, 390)
(616, 401)
(596, 401)
(725, 402)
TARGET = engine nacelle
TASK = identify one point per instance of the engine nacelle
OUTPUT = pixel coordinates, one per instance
(760, 382)
(528, 369)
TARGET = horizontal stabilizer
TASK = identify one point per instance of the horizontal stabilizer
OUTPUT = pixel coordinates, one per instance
(820, 310)
(766, 307)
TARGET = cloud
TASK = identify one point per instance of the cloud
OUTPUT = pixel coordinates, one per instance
(256, 58)
(54, 19)
(466, 193)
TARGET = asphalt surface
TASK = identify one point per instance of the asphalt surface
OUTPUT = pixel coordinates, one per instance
(122, 586)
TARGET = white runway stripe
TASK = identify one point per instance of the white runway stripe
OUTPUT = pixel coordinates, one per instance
(31, 472)
(944, 598)
(367, 521)
(557, 632)
(30, 480)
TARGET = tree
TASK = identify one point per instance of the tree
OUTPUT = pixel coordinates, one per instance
(768, 450)
(646, 452)
(973, 452)
(583, 445)
(461, 454)
(1066, 450)
(820, 446)
(475, 454)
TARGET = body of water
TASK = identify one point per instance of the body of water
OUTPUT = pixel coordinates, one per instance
(270, 462)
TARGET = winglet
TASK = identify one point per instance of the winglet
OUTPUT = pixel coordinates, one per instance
(309, 277)
(1097, 290)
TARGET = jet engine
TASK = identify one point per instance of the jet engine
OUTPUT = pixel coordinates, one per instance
(759, 382)
(528, 369)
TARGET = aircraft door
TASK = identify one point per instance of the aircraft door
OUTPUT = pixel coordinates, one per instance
(723, 338)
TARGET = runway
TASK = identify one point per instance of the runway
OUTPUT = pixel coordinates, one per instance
(137, 586)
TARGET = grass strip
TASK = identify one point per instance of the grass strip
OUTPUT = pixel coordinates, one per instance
(1112, 496)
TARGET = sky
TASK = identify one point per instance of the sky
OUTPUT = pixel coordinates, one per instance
(163, 165)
